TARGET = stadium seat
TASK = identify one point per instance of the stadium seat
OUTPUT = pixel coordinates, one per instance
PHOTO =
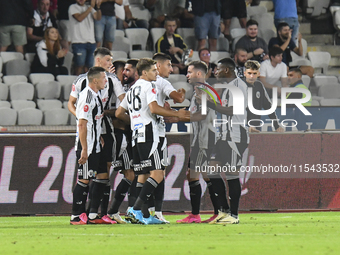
(30, 116)
(195, 56)
(21, 91)
(188, 88)
(3, 91)
(7, 56)
(315, 8)
(48, 90)
(233, 45)
(121, 44)
(222, 44)
(256, 10)
(267, 34)
(1, 64)
(48, 104)
(68, 61)
(306, 80)
(141, 54)
(321, 80)
(331, 90)
(185, 103)
(29, 57)
(73, 120)
(138, 38)
(237, 32)
(5, 104)
(315, 102)
(177, 77)
(300, 60)
(66, 82)
(57, 116)
(265, 20)
(116, 55)
(234, 23)
(330, 102)
(65, 104)
(320, 59)
(217, 55)
(22, 104)
(119, 33)
(17, 67)
(38, 77)
(10, 79)
(156, 33)
(8, 116)
(188, 36)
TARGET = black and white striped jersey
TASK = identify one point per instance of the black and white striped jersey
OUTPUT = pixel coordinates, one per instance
(90, 108)
(164, 88)
(143, 122)
(235, 127)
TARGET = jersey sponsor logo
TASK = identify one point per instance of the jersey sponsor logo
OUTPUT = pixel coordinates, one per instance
(258, 94)
(73, 87)
(138, 126)
(225, 102)
(98, 117)
(86, 108)
(153, 90)
(104, 99)
(136, 136)
(135, 116)
(146, 163)
(193, 109)
(117, 163)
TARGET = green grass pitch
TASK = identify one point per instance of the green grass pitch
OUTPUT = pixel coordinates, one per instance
(260, 233)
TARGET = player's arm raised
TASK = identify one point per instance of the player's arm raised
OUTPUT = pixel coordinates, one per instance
(82, 125)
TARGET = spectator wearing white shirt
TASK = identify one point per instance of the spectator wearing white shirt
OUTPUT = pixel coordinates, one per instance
(273, 72)
(125, 18)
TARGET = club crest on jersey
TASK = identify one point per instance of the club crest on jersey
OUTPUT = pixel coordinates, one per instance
(86, 108)
(258, 94)
(153, 90)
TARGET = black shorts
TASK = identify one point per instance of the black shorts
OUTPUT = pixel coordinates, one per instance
(90, 169)
(233, 8)
(228, 153)
(108, 153)
(143, 162)
(123, 151)
(198, 156)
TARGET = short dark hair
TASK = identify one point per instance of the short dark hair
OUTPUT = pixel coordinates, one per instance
(251, 22)
(296, 70)
(275, 50)
(199, 52)
(237, 51)
(133, 62)
(281, 25)
(94, 72)
(200, 65)
(102, 51)
(144, 64)
(161, 57)
(228, 63)
(252, 64)
(119, 64)
(169, 18)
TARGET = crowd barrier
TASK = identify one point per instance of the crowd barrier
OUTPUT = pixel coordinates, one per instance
(38, 173)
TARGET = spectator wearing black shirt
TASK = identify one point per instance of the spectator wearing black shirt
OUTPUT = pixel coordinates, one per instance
(173, 45)
(187, 18)
(50, 55)
(233, 8)
(15, 16)
(42, 20)
(294, 79)
(285, 41)
(240, 58)
(260, 98)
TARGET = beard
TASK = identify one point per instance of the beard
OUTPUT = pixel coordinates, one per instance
(252, 37)
(129, 80)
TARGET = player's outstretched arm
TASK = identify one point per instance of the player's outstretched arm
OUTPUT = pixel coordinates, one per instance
(155, 108)
(121, 114)
(71, 105)
(82, 125)
(178, 96)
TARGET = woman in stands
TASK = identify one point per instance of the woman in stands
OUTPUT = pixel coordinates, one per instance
(50, 55)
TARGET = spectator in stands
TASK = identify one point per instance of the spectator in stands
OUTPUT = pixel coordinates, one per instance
(285, 41)
(82, 33)
(240, 59)
(286, 11)
(233, 8)
(15, 15)
(207, 22)
(126, 20)
(42, 20)
(105, 27)
(255, 46)
(50, 55)
(187, 18)
(273, 72)
(163, 8)
(294, 80)
(204, 55)
(64, 22)
(173, 45)
(53, 6)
